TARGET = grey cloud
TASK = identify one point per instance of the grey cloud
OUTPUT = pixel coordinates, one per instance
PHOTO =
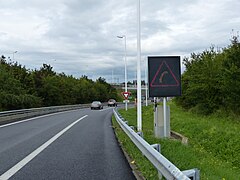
(80, 35)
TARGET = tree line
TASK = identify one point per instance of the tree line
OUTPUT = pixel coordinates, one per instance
(23, 88)
(211, 81)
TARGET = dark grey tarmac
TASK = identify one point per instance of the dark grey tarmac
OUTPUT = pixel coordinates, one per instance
(89, 150)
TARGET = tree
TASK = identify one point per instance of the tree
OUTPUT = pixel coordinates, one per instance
(200, 82)
(212, 80)
(231, 76)
(23, 88)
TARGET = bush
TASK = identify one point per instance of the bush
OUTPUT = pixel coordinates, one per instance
(12, 102)
(211, 81)
(30, 101)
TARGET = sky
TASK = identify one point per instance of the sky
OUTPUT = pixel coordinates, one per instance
(79, 37)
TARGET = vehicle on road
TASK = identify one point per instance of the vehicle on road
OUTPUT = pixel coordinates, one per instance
(96, 105)
(112, 103)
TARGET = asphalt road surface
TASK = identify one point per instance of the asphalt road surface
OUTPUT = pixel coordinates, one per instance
(76, 144)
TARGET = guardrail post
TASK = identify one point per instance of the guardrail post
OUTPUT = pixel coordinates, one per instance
(140, 134)
(160, 176)
(132, 127)
(157, 147)
(193, 174)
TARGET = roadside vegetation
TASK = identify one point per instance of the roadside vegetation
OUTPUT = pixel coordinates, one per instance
(213, 143)
(211, 81)
(207, 113)
(24, 88)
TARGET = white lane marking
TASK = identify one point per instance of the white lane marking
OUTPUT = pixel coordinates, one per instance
(32, 155)
(30, 119)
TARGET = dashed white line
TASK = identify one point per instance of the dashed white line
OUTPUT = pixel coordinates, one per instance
(32, 155)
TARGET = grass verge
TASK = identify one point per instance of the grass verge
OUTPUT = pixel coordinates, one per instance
(213, 147)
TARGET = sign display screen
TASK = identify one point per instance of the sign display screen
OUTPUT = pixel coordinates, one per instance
(164, 76)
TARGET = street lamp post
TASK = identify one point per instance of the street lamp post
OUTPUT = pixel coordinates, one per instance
(13, 54)
(139, 93)
(125, 48)
(146, 85)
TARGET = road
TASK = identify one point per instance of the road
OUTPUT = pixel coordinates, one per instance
(76, 144)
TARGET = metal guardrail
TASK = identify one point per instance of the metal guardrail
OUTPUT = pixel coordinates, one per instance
(163, 165)
(14, 115)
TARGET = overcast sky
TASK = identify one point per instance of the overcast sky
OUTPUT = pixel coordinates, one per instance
(80, 36)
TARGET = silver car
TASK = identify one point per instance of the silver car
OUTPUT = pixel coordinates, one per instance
(96, 105)
(112, 102)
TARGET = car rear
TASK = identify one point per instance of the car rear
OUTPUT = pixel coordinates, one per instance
(112, 103)
(96, 105)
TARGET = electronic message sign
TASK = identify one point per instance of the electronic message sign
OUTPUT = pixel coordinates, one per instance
(164, 76)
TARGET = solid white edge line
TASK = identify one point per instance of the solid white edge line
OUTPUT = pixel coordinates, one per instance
(30, 119)
(32, 155)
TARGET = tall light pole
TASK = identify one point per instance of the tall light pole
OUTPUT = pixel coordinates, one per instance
(146, 85)
(13, 54)
(125, 48)
(112, 76)
(139, 95)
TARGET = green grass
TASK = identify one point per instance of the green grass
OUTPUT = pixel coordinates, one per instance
(143, 165)
(214, 144)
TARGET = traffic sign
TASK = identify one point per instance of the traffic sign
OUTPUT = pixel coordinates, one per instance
(126, 95)
(164, 76)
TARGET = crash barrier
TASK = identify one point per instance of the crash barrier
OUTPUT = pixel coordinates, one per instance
(14, 115)
(152, 153)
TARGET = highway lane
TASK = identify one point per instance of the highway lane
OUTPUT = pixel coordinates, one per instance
(70, 145)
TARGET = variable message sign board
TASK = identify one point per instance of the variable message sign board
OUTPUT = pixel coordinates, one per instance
(164, 76)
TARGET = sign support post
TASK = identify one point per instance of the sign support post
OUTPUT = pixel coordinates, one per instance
(165, 115)
(146, 86)
(164, 80)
